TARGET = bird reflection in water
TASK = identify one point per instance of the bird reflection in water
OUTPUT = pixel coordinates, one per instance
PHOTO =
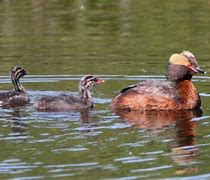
(18, 126)
(85, 120)
(183, 148)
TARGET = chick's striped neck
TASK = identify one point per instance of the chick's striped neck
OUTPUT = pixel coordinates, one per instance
(85, 93)
(16, 80)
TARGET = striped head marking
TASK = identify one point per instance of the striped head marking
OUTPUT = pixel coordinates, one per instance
(17, 72)
(89, 81)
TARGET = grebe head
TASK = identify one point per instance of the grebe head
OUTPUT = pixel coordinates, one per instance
(15, 74)
(86, 83)
(193, 62)
(182, 66)
(89, 81)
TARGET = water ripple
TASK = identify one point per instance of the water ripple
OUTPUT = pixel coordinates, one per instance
(56, 78)
(103, 141)
(151, 169)
(28, 178)
(72, 165)
(134, 159)
(70, 150)
(14, 166)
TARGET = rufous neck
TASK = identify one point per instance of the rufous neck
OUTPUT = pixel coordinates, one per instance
(189, 94)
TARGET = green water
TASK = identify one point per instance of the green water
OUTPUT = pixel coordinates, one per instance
(122, 41)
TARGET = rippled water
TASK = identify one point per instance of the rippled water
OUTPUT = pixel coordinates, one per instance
(99, 144)
(123, 42)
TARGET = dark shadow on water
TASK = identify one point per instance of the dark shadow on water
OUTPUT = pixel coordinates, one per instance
(157, 119)
(85, 117)
(183, 146)
(18, 117)
(18, 125)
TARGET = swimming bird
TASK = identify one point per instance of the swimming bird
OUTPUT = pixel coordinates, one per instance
(64, 102)
(175, 93)
(18, 96)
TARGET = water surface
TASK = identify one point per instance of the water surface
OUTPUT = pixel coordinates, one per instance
(123, 42)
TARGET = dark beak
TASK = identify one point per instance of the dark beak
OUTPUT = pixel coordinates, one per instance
(196, 69)
(199, 70)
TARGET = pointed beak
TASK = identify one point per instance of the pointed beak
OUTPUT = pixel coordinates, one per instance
(100, 81)
(199, 70)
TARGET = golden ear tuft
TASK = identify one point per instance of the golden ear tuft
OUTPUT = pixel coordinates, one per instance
(179, 60)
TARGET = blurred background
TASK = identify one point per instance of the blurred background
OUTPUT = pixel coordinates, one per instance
(101, 36)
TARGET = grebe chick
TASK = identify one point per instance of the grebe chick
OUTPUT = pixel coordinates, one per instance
(175, 93)
(18, 96)
(64, 102)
